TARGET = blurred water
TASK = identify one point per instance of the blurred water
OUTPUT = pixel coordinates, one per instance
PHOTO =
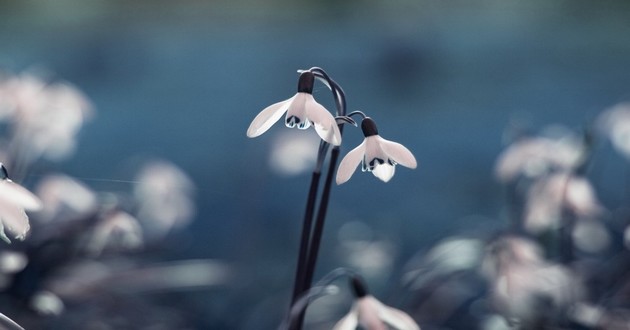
(183, 81)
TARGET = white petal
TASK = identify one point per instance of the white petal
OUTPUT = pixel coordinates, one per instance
(266, 118)
(325, 124)
(373, 149)
(398, 153)
(348, 322)
(297, 109)
(384, 171)
(349, 163)
(15, 194)
(14, 219)
(397, 318)
(369, 313)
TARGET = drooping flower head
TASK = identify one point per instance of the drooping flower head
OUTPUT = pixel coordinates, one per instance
(376, 154)
(302, 111)
(371, 314)
(14, 199)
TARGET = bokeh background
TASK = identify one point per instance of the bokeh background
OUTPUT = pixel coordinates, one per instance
(452, 81)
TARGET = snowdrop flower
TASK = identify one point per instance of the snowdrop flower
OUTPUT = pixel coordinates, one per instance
(549, 197)
(165, 197)
(537, 156)
(615, 123)
(14, 199)
(302, 111)
(377, 155)
(524, 286)
(372, 314)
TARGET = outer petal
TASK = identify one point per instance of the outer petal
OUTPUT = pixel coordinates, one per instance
(349, 163)
(14, 219)
(397, 318)
(384, 171)
(325, 124)
(266, 118)
(348, 322)
(369, 313)
(398, 153)
(15, 194)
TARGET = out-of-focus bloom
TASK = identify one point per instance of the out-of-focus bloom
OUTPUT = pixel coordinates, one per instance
(46, 117)
(452, 255)
(47, 303)
(117, 230)
(371, 314)
(302, 111)
(293, 153)
(536, 156)
(524, 286)
(376, 154)
(64, 198)
(615, 123)
(164, 195)
(14, 200)
(359, 249)
(550, 196)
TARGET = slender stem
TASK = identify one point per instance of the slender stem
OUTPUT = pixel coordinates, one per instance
(305, 239)
(318, 231)
(309, 243)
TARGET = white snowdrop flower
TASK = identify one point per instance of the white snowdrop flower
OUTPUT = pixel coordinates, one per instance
(521, 280)
(548, 197)
(615, 123)
(376, 154)
(164, 194)
(14, 200)
(119, 230)
(45, 117)
(536, 156)
(371, 314)
(64, 198)
(302, 111)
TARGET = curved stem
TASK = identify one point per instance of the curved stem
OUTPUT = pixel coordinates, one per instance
(310, 243)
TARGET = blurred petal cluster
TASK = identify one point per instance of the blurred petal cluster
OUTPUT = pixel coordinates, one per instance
(45, 117)
(557, 150)
(525, 288)
(164, 195)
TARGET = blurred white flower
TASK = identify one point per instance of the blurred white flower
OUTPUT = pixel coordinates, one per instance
(615, 124)
(376, 154)
(64, 198)
(537, 156)
(14, 200)
(550, 196)
(164, 195)
(118, 230)
(302, 111)
(590, 236)
(451, 255)
(524, 286)
(293, 153)
(47, 303)
(46, 117)
(371, 314)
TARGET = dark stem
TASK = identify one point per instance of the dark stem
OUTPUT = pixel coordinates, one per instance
(307, 224)
(309, 243)
(318, 231)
